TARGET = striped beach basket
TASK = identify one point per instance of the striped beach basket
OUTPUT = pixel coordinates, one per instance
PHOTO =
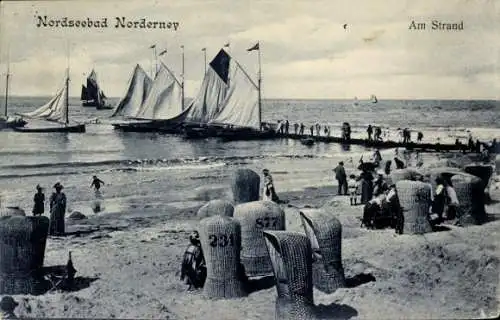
(415, 199)
(254, 218)
(325, 234)
(216, 207)
(291, 258)
(22, 251)
(220, 238)
(470, 194)
(245, 185)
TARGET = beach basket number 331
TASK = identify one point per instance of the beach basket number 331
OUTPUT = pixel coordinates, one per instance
(221, 240)
(266, 222)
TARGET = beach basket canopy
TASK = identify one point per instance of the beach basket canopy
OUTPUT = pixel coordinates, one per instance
(404, 174)
(254, 218)
(245, 185)
(220, 238)
(484, 172)
(216, 207)
(22, 251)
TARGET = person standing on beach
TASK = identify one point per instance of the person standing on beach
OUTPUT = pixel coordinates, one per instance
(318, 129)
(341, 177)
(193, 268)
(287, 126)
(312, 131)
(353, 189)
(57, 211)
(39, 202)
(296, 127)
(269, 191)
(370, 132)
(302, 128)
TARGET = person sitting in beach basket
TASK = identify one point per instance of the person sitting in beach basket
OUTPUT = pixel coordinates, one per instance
(39, 202)
(7, 307)
(193, 269)
(57, 211)
(269, 191)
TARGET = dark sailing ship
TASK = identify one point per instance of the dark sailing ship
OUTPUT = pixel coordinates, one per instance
(92, 95)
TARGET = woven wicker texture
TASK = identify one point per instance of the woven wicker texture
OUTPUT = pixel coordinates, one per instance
(470, 194)
(497, 164)
(22, 251)
(483, 172)
(325, 234)
(220, 238)
(291, 258)
(403, 174)
(245, 185)
(299, 308)
(254, 218)
(9, 211)
(415, 198)
(216, 207)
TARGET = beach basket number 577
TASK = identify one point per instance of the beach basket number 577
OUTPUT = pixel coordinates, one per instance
(266, 222)
(221, 240)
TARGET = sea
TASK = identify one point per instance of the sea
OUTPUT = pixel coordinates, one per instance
(152, 170)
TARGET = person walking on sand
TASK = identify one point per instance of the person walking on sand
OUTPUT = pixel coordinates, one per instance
(39, 202)
(96, 183)
(341, 177)
(57, 211)
(269, 191)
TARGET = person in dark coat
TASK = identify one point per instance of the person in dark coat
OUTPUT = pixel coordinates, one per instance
(366, 187)
(369, 131)
(302, 128)
(39, 202)
(7, 307)
(341, 177)
(57, 211)
(287, 126)
(193, 268)
(439, 202)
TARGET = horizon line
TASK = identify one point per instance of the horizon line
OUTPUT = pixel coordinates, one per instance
(299, 99)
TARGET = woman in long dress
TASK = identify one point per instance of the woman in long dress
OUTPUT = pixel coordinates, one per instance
(57, 211)
(269, 191)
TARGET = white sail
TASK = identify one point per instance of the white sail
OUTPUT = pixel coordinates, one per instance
(213, 91)
(241, 105)
(137, 91)
(165, 97)
(54, 110)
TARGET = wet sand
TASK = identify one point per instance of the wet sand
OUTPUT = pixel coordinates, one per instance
(128, 266)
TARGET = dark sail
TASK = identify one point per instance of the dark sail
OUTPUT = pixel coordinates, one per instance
(84, 93)
(220, 64)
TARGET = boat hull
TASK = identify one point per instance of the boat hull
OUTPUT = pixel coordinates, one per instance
(151, 126)
(10, 124)
(78, 128)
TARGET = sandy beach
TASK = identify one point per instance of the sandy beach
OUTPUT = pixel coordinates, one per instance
(128, 266)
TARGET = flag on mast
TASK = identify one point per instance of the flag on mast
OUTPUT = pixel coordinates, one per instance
(203, 49)
(153, 46)
(163, 52)
(226, 45)
(255, 47)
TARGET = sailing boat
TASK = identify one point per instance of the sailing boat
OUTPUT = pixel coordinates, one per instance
(6, 121)
(92, 95)
(373, 98)
(235, 108)
(56, 112)
(356, 102)
(162, 109)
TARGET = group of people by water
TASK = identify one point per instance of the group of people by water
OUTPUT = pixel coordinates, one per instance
(57, 205)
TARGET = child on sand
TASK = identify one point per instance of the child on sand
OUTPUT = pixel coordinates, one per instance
(353, 189)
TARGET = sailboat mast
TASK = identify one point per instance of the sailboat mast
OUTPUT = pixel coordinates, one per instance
(67, 89)
(260, 94)
(7, 89)
(182, 87)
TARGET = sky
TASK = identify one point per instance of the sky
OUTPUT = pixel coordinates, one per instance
(306, 51)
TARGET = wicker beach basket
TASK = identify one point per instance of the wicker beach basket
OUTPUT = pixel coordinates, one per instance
(470, 194)
(254, 218)
(216, 207)
(220, 238)
(245, 185)
(291, 258)
(22, 251)
(415, 199)
(325, 234)
(11, 211)
(404, 174)
(484, 172)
